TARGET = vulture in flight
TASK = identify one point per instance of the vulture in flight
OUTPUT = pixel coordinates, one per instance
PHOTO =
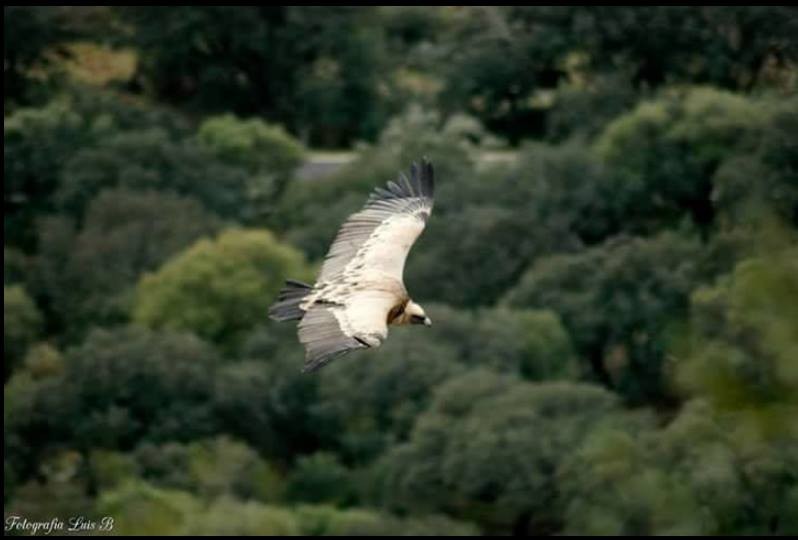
(360, 291)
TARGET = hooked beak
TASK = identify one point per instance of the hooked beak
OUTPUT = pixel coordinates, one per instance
(427, 321)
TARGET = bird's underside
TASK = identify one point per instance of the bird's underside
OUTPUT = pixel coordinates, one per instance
(360, 289)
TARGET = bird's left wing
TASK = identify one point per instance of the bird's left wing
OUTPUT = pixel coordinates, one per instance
(377, 239)
(358, 320)
(323, 337)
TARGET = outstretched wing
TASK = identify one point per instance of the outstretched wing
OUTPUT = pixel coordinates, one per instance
(323, 337)
(330, 329)
(378, 238)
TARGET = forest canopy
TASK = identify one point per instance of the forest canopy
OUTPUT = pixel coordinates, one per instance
(611, 265)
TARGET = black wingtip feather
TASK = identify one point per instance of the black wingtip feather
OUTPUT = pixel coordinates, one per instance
(420, 183)
(396, 189)
(407, 186)
(427, 178)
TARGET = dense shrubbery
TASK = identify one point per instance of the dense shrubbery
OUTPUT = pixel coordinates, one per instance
(218, 289)
(614, 343)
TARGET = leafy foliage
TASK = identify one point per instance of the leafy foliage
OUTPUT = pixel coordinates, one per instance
(21, 326)
(313, 69)
(149, 159)
(492, 445)
(664, 153)
(87, 275)
(236, 276)
(639, 286)
(267, 152)
(700, 475)
(610, 269)
(745, 343)
(30, 35)
(117, 388)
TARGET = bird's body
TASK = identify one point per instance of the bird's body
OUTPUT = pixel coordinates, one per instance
(360, 290)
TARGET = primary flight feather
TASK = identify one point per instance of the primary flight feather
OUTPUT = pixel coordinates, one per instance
(360, 289)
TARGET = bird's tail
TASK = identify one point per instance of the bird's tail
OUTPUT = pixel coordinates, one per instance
(286, 308)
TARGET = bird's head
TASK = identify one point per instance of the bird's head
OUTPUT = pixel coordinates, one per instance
(414, 314)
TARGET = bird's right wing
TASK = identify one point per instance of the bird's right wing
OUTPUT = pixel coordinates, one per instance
(377, 239)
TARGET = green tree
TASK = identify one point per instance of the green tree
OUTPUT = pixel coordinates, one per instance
(503, 63)
(278, 410)
(726, 463)
(318, 520)
(320, 478)
(530, 343)
(273, 407)
(701, 474)
(317, 70)
(152, 159)
(489, 448)
(117, 389)
(496, 60)
(662, 156)
(393, 388)
(88, 276)
(709, 45)
(617, 300)
(762, 186)
(39, 143)
(44, 360)
(209, 468)
(266, 151)
(33, 35)
(744, 342)
(36, 142)
(218, 289)
(586, 102)
(612, 483)
(230, 517)
(21, 326)
(141, 509)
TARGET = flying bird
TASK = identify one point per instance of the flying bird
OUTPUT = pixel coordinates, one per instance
(360, 289)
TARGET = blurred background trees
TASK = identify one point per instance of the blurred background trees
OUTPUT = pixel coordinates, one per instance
(611, 269)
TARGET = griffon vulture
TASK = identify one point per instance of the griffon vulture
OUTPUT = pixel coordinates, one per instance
(360, 291)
